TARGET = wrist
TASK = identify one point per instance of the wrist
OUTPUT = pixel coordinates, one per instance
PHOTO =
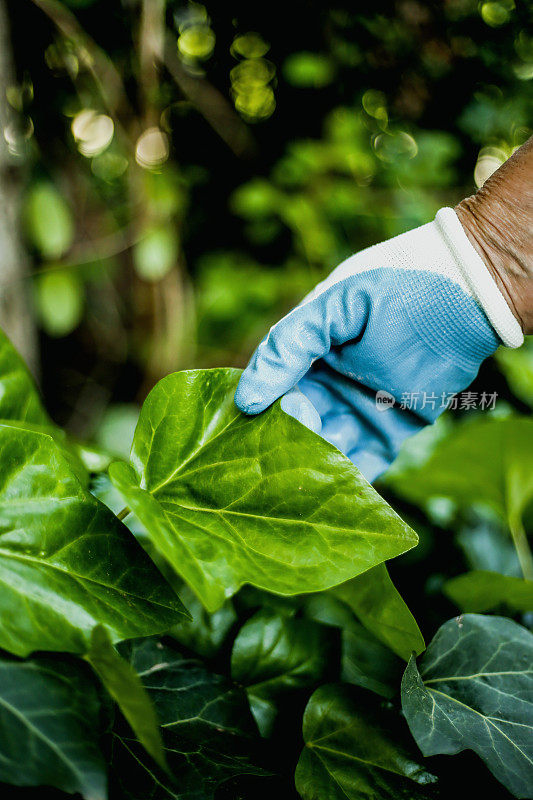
(507, 269)
(498, 221)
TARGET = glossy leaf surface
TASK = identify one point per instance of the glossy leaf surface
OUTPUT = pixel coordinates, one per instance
(49, 727)
(66, 563)
(474, 690)
(354, 751)
(208, 732)
(230, 499)
(274, 655)
(482, 591)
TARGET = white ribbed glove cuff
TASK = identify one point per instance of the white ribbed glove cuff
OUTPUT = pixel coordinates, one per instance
(478, 279)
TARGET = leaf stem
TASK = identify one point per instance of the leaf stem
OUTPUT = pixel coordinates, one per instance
(124, 513)
(522, 548)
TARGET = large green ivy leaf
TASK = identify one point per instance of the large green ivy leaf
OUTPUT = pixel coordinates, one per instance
(19, 398)
(66, 562)
(49, 727)
(125, 687)
(481, 591)
(273, 655)
(376, 602)
(208, 732)
(354, 750)
(474, 691)
(230, 499)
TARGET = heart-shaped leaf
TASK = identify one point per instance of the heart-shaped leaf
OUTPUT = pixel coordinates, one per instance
(230, 499)
(355, 750)
(49, 727)
(208, 732)
(474, 691)
(66, 562)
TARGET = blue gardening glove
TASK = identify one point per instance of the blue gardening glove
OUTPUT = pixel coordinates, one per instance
(408, 321)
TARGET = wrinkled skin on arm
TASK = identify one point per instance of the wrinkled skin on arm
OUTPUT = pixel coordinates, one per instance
(498, 220)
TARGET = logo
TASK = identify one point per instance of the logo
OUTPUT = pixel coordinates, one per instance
(384, 400)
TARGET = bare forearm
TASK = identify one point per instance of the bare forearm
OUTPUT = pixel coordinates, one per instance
(498, 220)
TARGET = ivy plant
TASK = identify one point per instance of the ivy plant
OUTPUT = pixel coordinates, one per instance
(234, 630)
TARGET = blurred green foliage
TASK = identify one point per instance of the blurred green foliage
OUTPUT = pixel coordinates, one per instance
(193, 170)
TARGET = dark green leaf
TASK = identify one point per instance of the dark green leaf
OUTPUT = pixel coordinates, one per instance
(368, 663)
(230, 499)
(328, 609)
(365, 661)
(49, 727)
(66, 563)
(207, 728)
(377, 603)
(473, 691)
(274, 655)
(127, 690)
(205, 633)
(481, 591)
(354, 750)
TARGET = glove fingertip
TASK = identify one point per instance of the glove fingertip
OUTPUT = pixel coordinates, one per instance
(247, 399)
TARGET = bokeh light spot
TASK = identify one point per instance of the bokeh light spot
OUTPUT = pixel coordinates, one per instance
(496, 14)
(250, 45)
(392, 147)
(93, 132)
(489, 160)
(375, 104)
(152, 148)
(252, 73)
(198, 41)
(256, 104)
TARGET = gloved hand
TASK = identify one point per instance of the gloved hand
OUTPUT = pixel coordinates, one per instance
(413, 317)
